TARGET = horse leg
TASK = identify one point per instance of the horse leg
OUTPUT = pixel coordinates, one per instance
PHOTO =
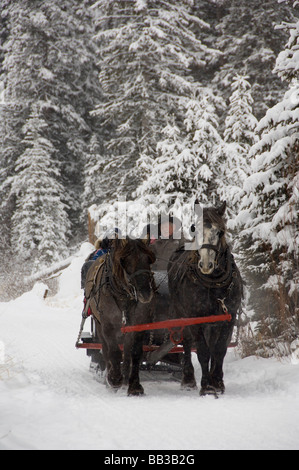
(218, 355)
(127, 358)
(135, 388)
(113, 357)
(99, 357)
(216, 372)
(188, 380)
(204, 356)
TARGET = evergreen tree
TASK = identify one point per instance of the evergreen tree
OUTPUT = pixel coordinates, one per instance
(249, 40)
(168, 179)
(10, 144)
(96, 184)
(270, 208)
(4, 31)
(39, 223)
(204, 141)
(240, 122)
(48, 67)
(186, 167)
(146, 52)
(239, 136)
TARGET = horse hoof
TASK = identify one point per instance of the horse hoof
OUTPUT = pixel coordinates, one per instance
(135, 391)
(219, 386)
(113, 384)
(189, 386)
(208, 390)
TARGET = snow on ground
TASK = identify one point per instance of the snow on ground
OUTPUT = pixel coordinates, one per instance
(50, 400)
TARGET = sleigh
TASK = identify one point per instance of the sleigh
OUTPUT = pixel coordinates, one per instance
(201, 281)
(163, 344)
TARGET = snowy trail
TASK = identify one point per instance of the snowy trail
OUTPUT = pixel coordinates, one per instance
(50, 400)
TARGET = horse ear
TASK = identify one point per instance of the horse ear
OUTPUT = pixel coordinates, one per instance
(221, 209)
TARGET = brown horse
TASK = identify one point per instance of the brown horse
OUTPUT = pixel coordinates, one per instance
(124, 293)
(203, 282)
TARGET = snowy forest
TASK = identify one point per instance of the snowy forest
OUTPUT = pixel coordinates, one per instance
(160, 102)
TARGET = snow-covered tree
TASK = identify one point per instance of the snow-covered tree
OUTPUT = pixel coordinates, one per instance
(39, 224)
(270, 208)
(48, 65)
(170, 179)
(147, 49)
(250, 42)
(186, 167)
(204, 141)
(96, 184)
(240, 122)
(239, 136)
(10, 145)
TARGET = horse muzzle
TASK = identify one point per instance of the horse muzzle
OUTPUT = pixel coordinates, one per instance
(206, 268)
(145, 297)
(207, 255)
(143, 292)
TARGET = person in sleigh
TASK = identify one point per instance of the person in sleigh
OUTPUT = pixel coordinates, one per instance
(102, 247)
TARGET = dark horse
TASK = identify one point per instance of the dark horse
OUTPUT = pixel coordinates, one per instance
(124, 293)
(202, 282)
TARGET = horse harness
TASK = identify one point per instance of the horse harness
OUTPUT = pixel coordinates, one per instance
(122, 290)
(225, 278)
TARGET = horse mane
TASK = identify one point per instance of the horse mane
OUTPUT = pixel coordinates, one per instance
(211, 214)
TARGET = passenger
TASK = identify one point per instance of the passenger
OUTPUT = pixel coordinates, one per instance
(169, 239)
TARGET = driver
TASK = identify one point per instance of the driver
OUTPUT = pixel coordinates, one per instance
(169, 240)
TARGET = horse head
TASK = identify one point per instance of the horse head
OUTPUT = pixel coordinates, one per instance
(211, 239)
(132, 265)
